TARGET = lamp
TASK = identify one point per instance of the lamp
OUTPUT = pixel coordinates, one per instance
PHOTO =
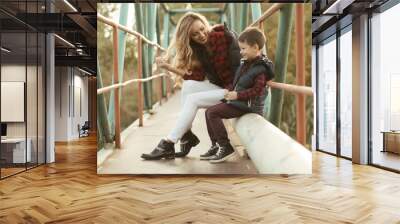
(65, 41)
(5, 50)
(70, 5)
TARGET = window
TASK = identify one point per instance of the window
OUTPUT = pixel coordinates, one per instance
(385, 87)
(346, 92)
(327, 95)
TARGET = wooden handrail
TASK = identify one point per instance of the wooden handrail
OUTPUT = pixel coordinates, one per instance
(274, 8)
(119, 85)
(300, 90)
(292, 88)
(126, 29)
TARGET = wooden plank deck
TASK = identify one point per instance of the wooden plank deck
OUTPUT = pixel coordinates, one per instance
(144, 139)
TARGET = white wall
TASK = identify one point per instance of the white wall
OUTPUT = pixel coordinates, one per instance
(16, 73)
(69, 82)
(61, 103)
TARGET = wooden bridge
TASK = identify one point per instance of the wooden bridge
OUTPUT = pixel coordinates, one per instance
(136, 141)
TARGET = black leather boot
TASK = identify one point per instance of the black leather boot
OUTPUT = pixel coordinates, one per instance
(164, 150)
(188, 141)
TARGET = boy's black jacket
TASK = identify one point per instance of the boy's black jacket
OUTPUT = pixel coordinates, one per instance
(245, 81)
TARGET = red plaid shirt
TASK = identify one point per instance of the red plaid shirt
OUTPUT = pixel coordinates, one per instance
(219, 45)
(256, 90)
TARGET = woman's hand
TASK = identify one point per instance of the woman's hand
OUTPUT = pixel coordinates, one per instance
(162, 63)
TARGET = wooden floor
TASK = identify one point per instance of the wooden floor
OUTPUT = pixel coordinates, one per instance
(70, 191)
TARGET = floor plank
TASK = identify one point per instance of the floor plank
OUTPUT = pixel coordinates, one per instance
(70, 191)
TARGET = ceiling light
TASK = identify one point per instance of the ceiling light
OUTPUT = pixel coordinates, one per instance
(337, 7)
(71, 6)
(5, 50)
(64, 40)
(79, 51)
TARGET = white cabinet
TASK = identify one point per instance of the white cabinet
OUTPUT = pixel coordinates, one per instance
(17, 147)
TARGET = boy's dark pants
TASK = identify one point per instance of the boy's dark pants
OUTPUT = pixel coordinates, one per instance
(215, 126)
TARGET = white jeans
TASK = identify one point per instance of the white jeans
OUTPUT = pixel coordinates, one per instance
(194, 95)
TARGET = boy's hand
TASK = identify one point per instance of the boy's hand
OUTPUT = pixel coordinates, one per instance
(232, 95)
(225, 92)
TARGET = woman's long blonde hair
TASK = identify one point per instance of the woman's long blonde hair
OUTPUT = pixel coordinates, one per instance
(180, 49)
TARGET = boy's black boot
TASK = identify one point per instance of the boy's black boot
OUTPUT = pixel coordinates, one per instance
(224, 153)
(210, 153)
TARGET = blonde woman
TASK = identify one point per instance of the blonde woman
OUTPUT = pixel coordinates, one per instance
(206, 58)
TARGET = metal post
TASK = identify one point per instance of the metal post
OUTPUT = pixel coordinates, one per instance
(255, 14)
(160, 80)
(123, 17)
(141, 28)
(152, 36)
(102, 109)
(139, 73)
(255, 11)
(267, 102)
(116, 96)
(232, 13)
(168, 86)
(152, 31)
(223, 18)
(243, 16)
(236, 10)
(300, 79)
(165, 43)
(281, 59)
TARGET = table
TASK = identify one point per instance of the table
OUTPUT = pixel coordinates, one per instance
(13, 150)
(391, 141)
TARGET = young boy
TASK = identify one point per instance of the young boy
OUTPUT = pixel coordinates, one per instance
(247, 96)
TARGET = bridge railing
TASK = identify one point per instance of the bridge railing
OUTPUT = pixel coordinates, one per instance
(300, 90)
(139, 80)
